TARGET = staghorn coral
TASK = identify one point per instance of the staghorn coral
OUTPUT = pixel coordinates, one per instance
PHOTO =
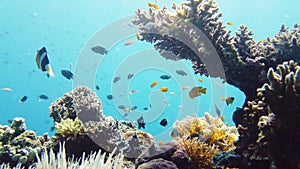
(19, 146)
(207, 129)
(81, 103)
(178, 34)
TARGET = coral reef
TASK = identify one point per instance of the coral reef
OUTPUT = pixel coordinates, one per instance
(81, 103)
(271, 121)
(207, 129)
(20, 146)
(242, 58)
(99, 132)
(196, 142)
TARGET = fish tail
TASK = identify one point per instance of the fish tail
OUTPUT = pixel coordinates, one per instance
(49, 70)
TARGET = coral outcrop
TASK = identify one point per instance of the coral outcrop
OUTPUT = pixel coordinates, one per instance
(269, 126)
(20, 146)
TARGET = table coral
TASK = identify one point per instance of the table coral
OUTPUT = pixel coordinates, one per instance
(244, 60)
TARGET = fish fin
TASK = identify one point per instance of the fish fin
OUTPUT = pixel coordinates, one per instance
(49, 70)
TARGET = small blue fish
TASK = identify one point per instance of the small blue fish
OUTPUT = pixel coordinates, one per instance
(67, 74)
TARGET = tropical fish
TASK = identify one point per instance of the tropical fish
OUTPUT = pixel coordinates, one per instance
(141, 122)
(130, 42)
(97, 87)
(43, 97)
(145, 108)
(196, 91)
(172, 93)
(132, 91)
(153, 84)
(165, 77)
(126, 110)
(100, 50)
(200, 79)
(230, 23)
(7, 89)
(109, 97)
(52, 128)
(42, 61)
(121, 107)
(116, 79)
(166, 102)
(164, 89)
(155, 6)
(130, 75)
(160, 143)
(67, 74)
(181, 72)
(185, 87)
(133, 108)
(23, 99)
(229, 100)
(163, 122)
(180, 107)
(138, 36)
(218, 111)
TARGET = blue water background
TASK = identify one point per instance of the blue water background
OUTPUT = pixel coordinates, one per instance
(65, 27)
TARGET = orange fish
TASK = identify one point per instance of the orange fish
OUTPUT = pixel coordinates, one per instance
(130, 42)
(160, 143)
(164, 89)
(200, 80)
(229, 100)
(138, 36)
(153, 84)
(155, 6)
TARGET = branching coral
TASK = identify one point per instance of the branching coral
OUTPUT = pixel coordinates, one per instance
(178, 34)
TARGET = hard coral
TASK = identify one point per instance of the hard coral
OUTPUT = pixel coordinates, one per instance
(69, 128)
(19, 146)
(179, 34)
(81, 103)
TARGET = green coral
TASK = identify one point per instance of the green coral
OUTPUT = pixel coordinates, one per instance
(69, 128)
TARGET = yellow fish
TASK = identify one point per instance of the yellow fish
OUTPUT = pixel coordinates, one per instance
(164, 89)
(229, 100)
(200, 80)
(138, 36)
(196, 91)
(153, 84)
(230, 23)
(155, 6)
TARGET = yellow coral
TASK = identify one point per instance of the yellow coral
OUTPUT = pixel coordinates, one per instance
(69, 128)
(201, 153)
(207, 129)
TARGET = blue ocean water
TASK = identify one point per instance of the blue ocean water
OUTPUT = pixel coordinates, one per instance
(66, 28)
